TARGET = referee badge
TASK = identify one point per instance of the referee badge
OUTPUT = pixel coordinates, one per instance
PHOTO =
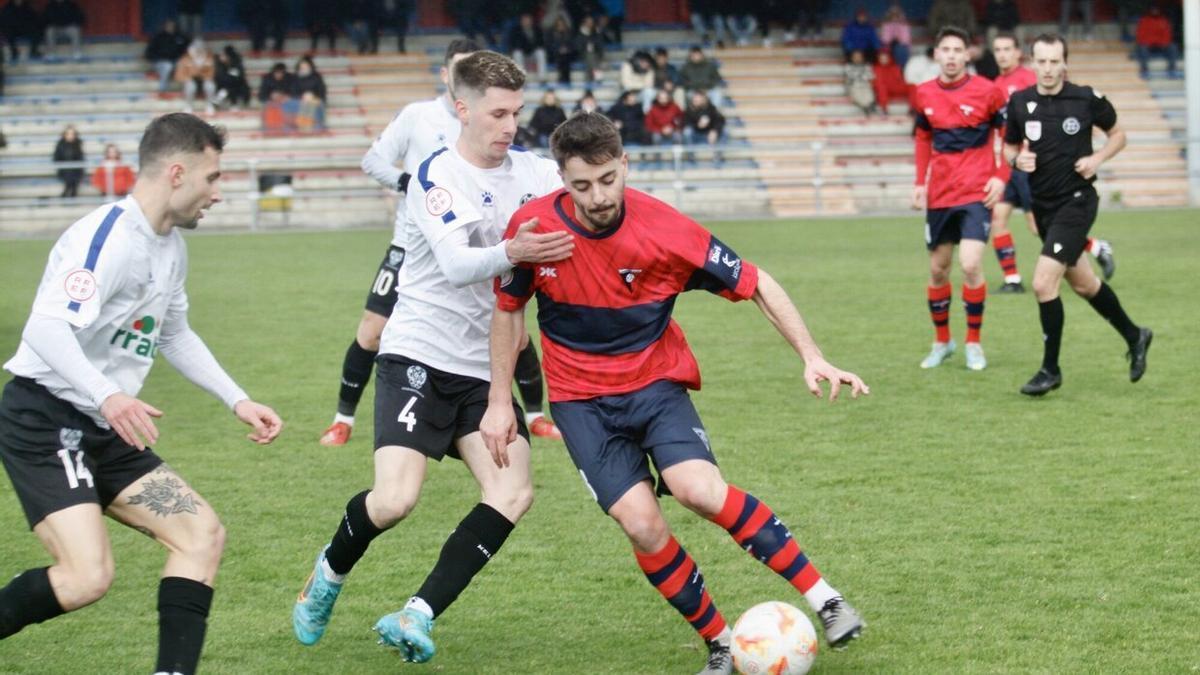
(1071, 126)
(1033, 130)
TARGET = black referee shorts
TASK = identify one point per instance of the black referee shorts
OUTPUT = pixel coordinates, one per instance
(57, 457)
(1063, 223)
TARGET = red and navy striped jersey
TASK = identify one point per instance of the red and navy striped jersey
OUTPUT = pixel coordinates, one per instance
(1015, 80)
(605, 312)
(957, 121)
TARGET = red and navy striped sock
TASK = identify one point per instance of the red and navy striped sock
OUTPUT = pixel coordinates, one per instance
(939, 310)
(1006, 253)
(973, 299)
(673, 572)
(755, 527)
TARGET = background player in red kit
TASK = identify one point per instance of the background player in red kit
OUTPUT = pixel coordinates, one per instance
(959, 178)
(618, 369)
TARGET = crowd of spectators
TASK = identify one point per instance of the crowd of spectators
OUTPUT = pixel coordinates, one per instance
(58, 21)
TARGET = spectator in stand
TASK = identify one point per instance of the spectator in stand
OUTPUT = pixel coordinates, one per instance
(739, 20)
(921, 68)
(1126, 10)
(637, 75)
(191, 17)
(664, 120)
(630, 119)
(69, 149)
(526, 39)
(64, 19)
(262, 18)
(859, 36)
(363, 28)
(321, 18)
(1001, 16)
(859, 82)
(707, 21)
(702, 121)
(232, 87)
(1155, 38)
(546, 118)
(308, 88)
(20, 21)
(896, 35)
(473, 20)
(589, 47)
(810, 22)
(197, 70)
(664, 70)
(889, 82)
(398, 13)
(276, 85)
(1086, 13)
(560, 45)
(164, 50)
(958, 13)
(113, 178)
(700, 73)
(586, 103)
(614, 11)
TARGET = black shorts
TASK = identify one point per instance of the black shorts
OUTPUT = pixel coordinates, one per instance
(57, 457)
(613, 439)
(1064, 223)
(427, 409)
(382, 297)
(955, 223)
(1017, 191)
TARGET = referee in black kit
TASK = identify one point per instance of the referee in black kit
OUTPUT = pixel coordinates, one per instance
(1049, 135)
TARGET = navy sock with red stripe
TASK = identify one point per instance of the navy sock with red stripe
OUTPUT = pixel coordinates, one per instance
(673, 572)
(756, 528)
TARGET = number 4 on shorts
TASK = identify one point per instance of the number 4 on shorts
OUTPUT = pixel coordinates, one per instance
(407, 416)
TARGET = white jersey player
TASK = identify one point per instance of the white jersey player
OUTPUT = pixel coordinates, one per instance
(432, 387)
(73, 435)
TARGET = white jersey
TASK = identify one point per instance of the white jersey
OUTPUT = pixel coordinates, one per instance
(435, 322)
(414, 134)
(117, 283)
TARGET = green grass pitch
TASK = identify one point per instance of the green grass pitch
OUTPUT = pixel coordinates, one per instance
(977, 530)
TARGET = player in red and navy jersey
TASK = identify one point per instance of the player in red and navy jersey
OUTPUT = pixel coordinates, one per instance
(618, 369)
(959, 179)
(1013, 78)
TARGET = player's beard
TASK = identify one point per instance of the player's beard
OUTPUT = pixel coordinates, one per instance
(606, 218)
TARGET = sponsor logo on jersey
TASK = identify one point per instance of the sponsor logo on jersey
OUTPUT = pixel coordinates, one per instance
(628, 275)
(80, 285)
(734, 263)
(548, 272)
(1033, 130)
(138, 337)
(70, 438)
(488, 199)
(714, 254)
(526, 198)
(438, 201)
(1071, 126)
(416, 376)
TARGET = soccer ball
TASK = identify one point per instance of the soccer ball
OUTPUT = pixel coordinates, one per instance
(773, 638)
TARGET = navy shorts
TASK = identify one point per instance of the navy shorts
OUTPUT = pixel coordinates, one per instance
(953, 224)
(613, 439)
(382, 297)
(1017, 191)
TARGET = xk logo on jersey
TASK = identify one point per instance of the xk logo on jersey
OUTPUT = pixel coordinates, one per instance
(138, 337)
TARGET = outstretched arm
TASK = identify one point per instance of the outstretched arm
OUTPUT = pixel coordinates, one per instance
(782, 313)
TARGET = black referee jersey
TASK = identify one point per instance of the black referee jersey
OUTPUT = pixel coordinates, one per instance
(1059, 130)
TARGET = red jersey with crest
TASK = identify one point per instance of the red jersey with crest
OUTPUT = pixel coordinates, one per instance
(1015, 80)
(605, 312)
(955, 139)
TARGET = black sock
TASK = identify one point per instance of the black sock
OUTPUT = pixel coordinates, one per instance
(27, 599)
(353, 536)
(1106, 303)
(183, 606)
(1052, 329)
(468, 548)
(529, 378)
(356, 372)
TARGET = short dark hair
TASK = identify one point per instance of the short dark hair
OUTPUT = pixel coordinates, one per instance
(952, 31)
(174, 133)
(460, 46)
(1007, 35)
(484, 69)
(590, 136)
(1053, 38)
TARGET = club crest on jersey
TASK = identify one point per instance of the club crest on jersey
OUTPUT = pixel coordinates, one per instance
(1033, 130)
(1031, 106)
(395, 258)
(438, 201)
(1071, 126)
(70, 438)
(488, 199)
(966, 109)
(526, 198)
(80, 285)
(628, 276)
(416, 376)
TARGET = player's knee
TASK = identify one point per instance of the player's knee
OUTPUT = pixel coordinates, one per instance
(205, 543)
(390, 507)
(84, 584)
(646, 529)
(1045, 288)
(704, 499)
(514, 503)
